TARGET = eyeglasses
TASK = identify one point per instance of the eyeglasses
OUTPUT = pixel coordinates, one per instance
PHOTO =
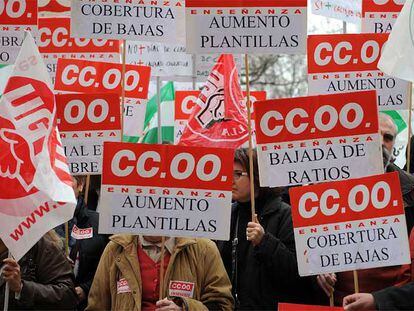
(388, 137)
(238, 174)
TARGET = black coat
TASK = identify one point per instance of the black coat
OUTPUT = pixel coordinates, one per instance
(90, 250)
(268, 273)
(395, 298)
(47, 279)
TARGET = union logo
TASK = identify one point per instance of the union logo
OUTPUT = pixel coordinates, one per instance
(29, 144)
(219, 118)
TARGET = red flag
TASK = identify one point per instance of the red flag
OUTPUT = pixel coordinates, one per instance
(219, 119)
(35, 182)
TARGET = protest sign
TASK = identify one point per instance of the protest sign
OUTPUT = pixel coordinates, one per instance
(247, 26)
(350, 225)
(165, 60)
(379, 16)
(186, 100)
(134, 116)
(85, 121)
(317, 138)
(296, 307)
(166, 190)
(54, 42)
(15, 18)
(346, 10)
(172, 61)
(73, 75)
(145, 20)
(348, 63)
(397, 56)
(34, 173)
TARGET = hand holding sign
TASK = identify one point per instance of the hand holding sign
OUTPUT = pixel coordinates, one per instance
(255, 232)
(359, 302)
(12, 275)
(327, 282)
(166, 304)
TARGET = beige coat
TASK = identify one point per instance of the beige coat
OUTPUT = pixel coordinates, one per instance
(193, 260)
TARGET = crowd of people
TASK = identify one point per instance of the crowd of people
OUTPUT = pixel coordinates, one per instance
(254, 270)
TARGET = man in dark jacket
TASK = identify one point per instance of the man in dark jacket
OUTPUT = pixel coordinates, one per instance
(41, 280)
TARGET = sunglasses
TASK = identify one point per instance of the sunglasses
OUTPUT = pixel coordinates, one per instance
(238, 174)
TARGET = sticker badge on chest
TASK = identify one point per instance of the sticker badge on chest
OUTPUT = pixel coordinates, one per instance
(122, 286)
(81, 234)
(181, 289)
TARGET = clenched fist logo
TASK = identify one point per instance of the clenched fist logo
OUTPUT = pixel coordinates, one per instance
(16, 158)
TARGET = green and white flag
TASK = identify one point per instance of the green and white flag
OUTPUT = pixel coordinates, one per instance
(150, 133)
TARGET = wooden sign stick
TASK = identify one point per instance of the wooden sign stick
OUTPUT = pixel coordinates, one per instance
(249, 125)
(356, 282)
(123, 88)
(87, 185)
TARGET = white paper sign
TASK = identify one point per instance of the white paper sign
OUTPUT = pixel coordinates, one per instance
(146, 20)
(315, 139)
(172, 61)
(247, 27)
(145, 191)
(345, 10)
(350, 225)
(347, 63)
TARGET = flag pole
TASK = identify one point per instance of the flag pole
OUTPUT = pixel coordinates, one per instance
(162, 268)
(249, 125)
(410, 112)
(331, 299)
(356, 282)
(67, 238)
(159, 134)
(87, 185)
(123, 88)
(159, 123)
(6, 292)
